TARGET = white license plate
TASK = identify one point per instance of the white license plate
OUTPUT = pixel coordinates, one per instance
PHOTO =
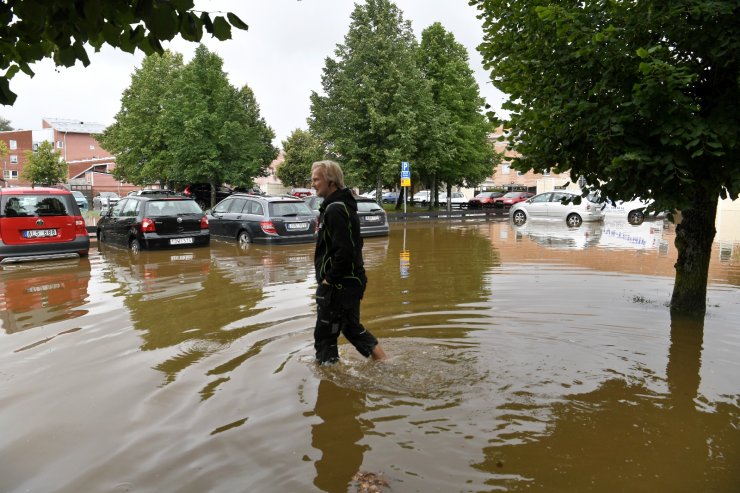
(181, 241)
(39, 233)
(298, 226)
(371, 219)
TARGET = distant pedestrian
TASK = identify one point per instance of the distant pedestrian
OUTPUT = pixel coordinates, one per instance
(339, 268)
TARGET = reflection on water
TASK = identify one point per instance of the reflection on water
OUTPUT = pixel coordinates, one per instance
(536, 358)
(39, 293)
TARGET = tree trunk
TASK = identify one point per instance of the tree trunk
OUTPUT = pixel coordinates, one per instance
(379, 188)
(448, 203)
(694, 237)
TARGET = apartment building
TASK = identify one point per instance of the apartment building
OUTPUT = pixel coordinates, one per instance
(507, 178)
(75, 141)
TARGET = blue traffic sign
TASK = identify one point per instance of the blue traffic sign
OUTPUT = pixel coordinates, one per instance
(405, 166)
(405, 174)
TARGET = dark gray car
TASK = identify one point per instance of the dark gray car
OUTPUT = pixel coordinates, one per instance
(250, 218)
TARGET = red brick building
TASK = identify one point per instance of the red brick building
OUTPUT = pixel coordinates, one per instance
(89, 164)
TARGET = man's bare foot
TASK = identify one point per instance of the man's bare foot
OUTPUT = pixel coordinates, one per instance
(378, 353)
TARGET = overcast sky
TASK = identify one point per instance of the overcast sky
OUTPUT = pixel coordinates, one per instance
(281, 57)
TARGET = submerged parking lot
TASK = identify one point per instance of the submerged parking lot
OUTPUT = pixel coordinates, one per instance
(535, 358)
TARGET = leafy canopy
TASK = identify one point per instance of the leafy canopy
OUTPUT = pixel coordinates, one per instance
(188, 124)
(302, 149)
(137, 137)
(374, 99)
(31, 30)
(45, 166)
(459, 143)
(642, 98)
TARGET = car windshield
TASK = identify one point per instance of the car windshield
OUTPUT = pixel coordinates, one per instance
(78, 194)
(112, 195)
(368, 207)
(287, 209)
(512, 195)
(158, 208)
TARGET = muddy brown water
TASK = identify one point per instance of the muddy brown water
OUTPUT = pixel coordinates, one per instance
(538, 358)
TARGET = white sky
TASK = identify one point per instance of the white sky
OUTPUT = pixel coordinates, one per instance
(281, 57)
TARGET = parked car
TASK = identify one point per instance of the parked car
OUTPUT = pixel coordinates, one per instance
(373, 218)
(147, 222)
(511, 198)
(300, 192)
(40, 224)
(104, 201)
(558, 205)
(423, 197)
(458, 200)
(154, 193)
(390, 197)
(314, 202)
(81, 200)
(483, 200)
(634, 210)
(263, 219)
(201, 193)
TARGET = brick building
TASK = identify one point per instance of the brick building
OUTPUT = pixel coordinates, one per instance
(89, 164)
(507, 178)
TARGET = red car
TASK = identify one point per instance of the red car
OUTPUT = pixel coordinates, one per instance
(300, 192)
(40, 224)
(511, 198)
(483, 200)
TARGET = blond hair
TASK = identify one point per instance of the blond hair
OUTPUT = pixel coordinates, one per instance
(332, 172)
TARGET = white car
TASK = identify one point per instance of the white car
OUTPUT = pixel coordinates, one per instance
(633, 209)
(558, 205)
(458, 199)
(422, 197)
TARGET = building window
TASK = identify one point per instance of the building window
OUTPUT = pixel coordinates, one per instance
(505, 169)
(92, 147)
(546, 172)
(13, 145)
(13, 159)
(519, 173)
(10, 174)
(60, 144)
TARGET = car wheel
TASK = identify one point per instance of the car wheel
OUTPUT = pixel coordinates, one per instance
(519, 218)
(135, 246)
(635, 217)
(573, 220)
(243, 238)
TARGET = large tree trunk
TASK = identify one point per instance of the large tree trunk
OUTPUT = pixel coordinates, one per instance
(694, 237)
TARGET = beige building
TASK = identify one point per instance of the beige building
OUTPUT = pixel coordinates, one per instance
(507, 178)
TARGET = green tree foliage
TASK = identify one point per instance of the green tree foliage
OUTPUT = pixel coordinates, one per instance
(5, 124)
(460, 144)
(302, 149)
(210, 130)
(137, 137)
(31, 30)
(375, 101)
(45, 166)
(642, 98)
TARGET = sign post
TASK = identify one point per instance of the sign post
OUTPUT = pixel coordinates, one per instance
(405, 181)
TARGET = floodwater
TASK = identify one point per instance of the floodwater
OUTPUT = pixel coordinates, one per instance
(538, 358)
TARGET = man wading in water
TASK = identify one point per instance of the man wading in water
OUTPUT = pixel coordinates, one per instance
(340, 270)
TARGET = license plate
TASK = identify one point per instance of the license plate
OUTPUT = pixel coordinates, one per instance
(371, 219)
(298, 226)
(39, 233)
(181, 241)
